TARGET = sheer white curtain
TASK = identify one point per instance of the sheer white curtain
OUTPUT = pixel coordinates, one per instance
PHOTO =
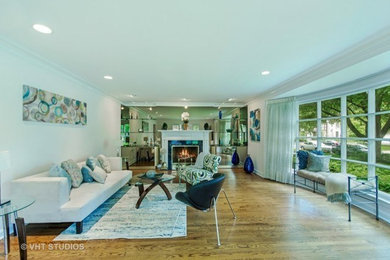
(281, 129)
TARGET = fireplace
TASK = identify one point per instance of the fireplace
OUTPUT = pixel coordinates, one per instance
(185, 154)
(183, 151)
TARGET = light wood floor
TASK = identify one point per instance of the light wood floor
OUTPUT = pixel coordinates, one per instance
(272, 223)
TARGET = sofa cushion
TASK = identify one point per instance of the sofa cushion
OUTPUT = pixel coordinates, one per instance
(99, 175)
(57, 171)
(104, 163)
(86, 171)
(91, 195)
(92, 162)
(74, 171)
(313, 176)
(318, 163)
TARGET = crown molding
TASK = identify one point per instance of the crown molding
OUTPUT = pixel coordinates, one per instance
(182, 104)
(378, 79)
(372, 46)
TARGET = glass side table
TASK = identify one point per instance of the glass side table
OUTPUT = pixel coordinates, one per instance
(12, 207)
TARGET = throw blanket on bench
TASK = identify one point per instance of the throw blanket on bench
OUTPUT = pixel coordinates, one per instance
(336, 186)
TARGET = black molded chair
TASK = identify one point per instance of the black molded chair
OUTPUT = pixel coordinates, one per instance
(204, 196)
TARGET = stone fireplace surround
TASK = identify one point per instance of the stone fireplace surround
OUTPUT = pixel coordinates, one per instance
(192, 137)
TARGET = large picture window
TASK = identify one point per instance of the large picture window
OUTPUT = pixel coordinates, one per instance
(354, 130)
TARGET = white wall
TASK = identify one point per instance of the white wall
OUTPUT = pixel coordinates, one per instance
(257, 149)
(35, 146)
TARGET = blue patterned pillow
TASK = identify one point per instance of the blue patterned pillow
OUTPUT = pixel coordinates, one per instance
(303, 157)
(86, 171)
(318, 163)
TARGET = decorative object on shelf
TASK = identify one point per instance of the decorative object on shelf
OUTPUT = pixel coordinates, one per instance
(235, 158)
(164, 126)
(220, 114)
(254, 124)
(185, 117)
(5, 164)
(248, 164)
(43, 106)
(206, 126)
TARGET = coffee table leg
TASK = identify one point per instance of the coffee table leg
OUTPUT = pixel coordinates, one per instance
(140, 189)
(141, 198)
(165, 189)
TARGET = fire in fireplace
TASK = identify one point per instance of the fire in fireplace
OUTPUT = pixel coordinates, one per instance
(185, 154)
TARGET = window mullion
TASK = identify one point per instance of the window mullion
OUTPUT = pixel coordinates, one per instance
(371, 132)
(343, 134)
(319, 129)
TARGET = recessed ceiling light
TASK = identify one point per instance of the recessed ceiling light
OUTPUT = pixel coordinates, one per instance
(184, 99)
(42, 28)
(160, 115)
(185, 107)
(230, 99)
(150, 108)
(107, 77)
(131, 96)
(265, 72)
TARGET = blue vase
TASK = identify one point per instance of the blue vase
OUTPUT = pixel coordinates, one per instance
(235, 158)
(248, 165)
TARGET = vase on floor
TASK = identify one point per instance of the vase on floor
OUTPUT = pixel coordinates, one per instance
(248, 165)
(235, 158)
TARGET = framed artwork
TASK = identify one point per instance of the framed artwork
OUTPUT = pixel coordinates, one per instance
(254, 125)
(43, 106)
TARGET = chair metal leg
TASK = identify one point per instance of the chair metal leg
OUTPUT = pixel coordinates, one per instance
(234, 214)
(216, 221)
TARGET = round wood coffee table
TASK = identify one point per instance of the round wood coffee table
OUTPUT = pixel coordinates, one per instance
(158, 181)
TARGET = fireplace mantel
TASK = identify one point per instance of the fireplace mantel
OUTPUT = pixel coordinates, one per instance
(183, 135)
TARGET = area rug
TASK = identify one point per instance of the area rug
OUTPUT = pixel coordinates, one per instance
(157, 217)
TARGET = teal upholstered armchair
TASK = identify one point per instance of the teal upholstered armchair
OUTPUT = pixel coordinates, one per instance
(203, 170)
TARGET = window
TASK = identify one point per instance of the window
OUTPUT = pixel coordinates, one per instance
(354, 130)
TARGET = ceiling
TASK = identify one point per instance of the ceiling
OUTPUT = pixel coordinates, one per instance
(205, 51)
(174, 113)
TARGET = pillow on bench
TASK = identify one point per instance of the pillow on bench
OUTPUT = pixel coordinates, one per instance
(318, 163)
(303, 157)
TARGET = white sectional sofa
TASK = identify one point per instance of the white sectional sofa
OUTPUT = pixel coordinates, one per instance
(54, 204)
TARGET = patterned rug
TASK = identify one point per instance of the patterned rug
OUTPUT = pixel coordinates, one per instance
(117, 217)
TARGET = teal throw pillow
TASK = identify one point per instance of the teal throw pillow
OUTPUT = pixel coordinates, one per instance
(57, 171)
(92, 162)
(318, 163)
(86, 171)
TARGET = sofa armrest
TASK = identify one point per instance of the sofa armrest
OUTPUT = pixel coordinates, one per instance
(50, 193)
(116, 163)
